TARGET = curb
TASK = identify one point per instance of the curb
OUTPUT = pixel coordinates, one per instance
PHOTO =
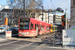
(2, 39)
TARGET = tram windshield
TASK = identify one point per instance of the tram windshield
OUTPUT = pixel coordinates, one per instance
(24, 23)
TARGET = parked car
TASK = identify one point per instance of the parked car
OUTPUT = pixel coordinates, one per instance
(14, 31)
(2, 29)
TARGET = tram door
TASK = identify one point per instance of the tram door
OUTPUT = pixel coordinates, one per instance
(36, 27)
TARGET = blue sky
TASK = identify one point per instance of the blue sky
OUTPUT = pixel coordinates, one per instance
(3, 2)
(64, 4)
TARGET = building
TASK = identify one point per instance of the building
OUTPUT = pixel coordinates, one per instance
(17, 13)
(72, 20)
(50, 18)
(45, 17)
(57, 19)
(3, 7)
(3, 13)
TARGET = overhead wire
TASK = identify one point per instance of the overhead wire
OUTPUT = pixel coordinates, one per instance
(52, 4)
(46, 5)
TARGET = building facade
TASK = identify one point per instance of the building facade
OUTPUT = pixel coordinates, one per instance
(3, 13)
(57, 19)
(72, 20)
(50, 18)
(17, 13)
(39, 16)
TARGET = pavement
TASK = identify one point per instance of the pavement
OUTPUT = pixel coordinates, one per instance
(2, 39)
(12, 44)
(27, 45)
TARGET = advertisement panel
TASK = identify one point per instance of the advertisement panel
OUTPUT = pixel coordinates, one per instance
(8, 34)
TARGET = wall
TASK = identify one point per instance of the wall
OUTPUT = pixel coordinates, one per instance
(68, 37)
(39, 17)
(72, 21)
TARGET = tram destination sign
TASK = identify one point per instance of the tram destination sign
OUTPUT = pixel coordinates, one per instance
(23, 20)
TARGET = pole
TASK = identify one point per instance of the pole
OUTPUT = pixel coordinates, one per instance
(24, 7)
(11, 13)
(66, 20)
(42, 13)
(48, 16)
(54, 38)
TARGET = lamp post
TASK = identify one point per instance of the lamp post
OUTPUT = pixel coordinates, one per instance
(42, 13)
(66, 20)
(11, 9)
(24, 7)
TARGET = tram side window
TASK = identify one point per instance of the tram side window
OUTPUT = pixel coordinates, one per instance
(31, 26)
(41, 27)
(38, 26)
(35, 26)
(47, 27)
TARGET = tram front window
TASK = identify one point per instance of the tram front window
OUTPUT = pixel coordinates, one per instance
(24, 24)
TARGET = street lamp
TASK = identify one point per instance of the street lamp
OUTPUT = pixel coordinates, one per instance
(24, 7)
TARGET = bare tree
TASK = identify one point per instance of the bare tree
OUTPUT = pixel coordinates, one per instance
(31, 7)
(30, 4)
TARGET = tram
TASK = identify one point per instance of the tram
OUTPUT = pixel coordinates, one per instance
(53, 28)
(30, 27)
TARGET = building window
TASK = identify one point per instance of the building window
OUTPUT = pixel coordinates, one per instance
(2, 14)
(73, 2)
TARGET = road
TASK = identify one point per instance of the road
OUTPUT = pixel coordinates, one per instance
(26, 45)
(21, 43)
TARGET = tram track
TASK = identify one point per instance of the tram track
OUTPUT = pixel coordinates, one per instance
(48, 40)
(32, 43)
(21, 44)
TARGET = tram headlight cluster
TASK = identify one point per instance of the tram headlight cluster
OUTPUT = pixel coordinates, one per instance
(27, 32)
(23, 33)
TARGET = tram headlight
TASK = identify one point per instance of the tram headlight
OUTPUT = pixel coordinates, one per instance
(27, 32)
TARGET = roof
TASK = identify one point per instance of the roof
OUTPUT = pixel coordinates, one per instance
(3, 7)
(37, 20)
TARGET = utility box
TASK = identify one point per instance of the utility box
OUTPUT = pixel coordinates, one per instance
(8, 34)
(68, 37)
